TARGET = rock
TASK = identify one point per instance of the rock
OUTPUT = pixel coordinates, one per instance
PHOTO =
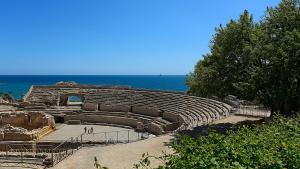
(62, 83)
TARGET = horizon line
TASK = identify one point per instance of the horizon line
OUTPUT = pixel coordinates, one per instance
(96, 75)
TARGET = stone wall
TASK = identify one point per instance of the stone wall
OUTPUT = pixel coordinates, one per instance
(27, 120)
(25, 126)
(90, 106)
(146, 111)
(117, 108)
(177, 108)
(121, 99)
(104, 119)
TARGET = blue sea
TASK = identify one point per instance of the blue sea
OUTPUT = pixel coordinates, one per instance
(18, 85)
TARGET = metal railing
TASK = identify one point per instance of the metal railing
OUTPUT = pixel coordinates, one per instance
(36, 153)
(253, 110)
(21, 154)
(63, 150)
(113, 137)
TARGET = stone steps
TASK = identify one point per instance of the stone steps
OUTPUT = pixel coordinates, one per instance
(193, 110)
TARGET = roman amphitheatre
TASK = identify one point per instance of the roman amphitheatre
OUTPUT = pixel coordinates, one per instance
(49, 128)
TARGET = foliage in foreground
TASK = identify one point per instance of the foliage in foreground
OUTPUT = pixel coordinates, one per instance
(255, 60)
(272, 145)
(97, 164)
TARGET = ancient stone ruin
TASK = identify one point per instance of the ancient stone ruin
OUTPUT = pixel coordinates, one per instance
(154, 111)
(146, 111)
(24, 125)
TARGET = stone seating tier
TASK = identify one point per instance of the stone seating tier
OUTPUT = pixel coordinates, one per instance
(147, 104)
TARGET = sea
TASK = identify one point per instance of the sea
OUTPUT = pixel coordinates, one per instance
(18, 85)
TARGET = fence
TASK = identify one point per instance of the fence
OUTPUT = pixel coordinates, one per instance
(49, 153)
(63, 150)
(112, 137)
(9, 164)
(36, 154)
(251, 110)
(20, 154)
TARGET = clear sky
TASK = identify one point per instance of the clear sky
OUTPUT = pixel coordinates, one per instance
(112, 37)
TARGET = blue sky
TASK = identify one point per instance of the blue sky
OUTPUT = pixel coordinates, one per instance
(112, 37)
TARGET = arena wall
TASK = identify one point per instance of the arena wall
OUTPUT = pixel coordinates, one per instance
(165, 108)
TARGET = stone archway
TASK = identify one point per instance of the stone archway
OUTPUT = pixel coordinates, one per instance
(71, 100)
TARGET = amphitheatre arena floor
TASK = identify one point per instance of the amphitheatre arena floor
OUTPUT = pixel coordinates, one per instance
(100, 132)
(124, 156)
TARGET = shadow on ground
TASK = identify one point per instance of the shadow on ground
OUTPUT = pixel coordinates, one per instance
(220, 128)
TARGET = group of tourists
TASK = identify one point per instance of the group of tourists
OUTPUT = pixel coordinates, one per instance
(89, 131)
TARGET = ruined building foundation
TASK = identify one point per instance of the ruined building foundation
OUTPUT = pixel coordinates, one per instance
(24, 125)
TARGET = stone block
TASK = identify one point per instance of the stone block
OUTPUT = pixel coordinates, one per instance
(172, 126)
(115, 108)
(74, 122)
(90, 106)
(146, 111)
(155, 129)
(140, 126)
(171, 116)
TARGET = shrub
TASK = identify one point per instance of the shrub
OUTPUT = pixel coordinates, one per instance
(272, 145)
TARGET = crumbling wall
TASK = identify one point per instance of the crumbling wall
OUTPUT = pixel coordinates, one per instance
(25, 126)
(27, 120)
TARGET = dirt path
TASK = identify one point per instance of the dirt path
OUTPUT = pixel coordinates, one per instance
(120, 156)
(235, 119)
(124, 156)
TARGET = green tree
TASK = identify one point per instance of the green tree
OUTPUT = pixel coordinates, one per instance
(202, 80)
(255, 61)
(226, 69)
(278, 55)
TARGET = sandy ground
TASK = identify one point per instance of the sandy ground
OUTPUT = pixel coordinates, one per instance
(124, 156)
(235, 119)
(120, 156)
(100, 133)
(20, 166)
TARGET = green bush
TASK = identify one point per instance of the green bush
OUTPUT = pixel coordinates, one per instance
(272, 145)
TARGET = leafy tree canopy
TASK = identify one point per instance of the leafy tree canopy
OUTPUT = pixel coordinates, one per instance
(255, 61)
